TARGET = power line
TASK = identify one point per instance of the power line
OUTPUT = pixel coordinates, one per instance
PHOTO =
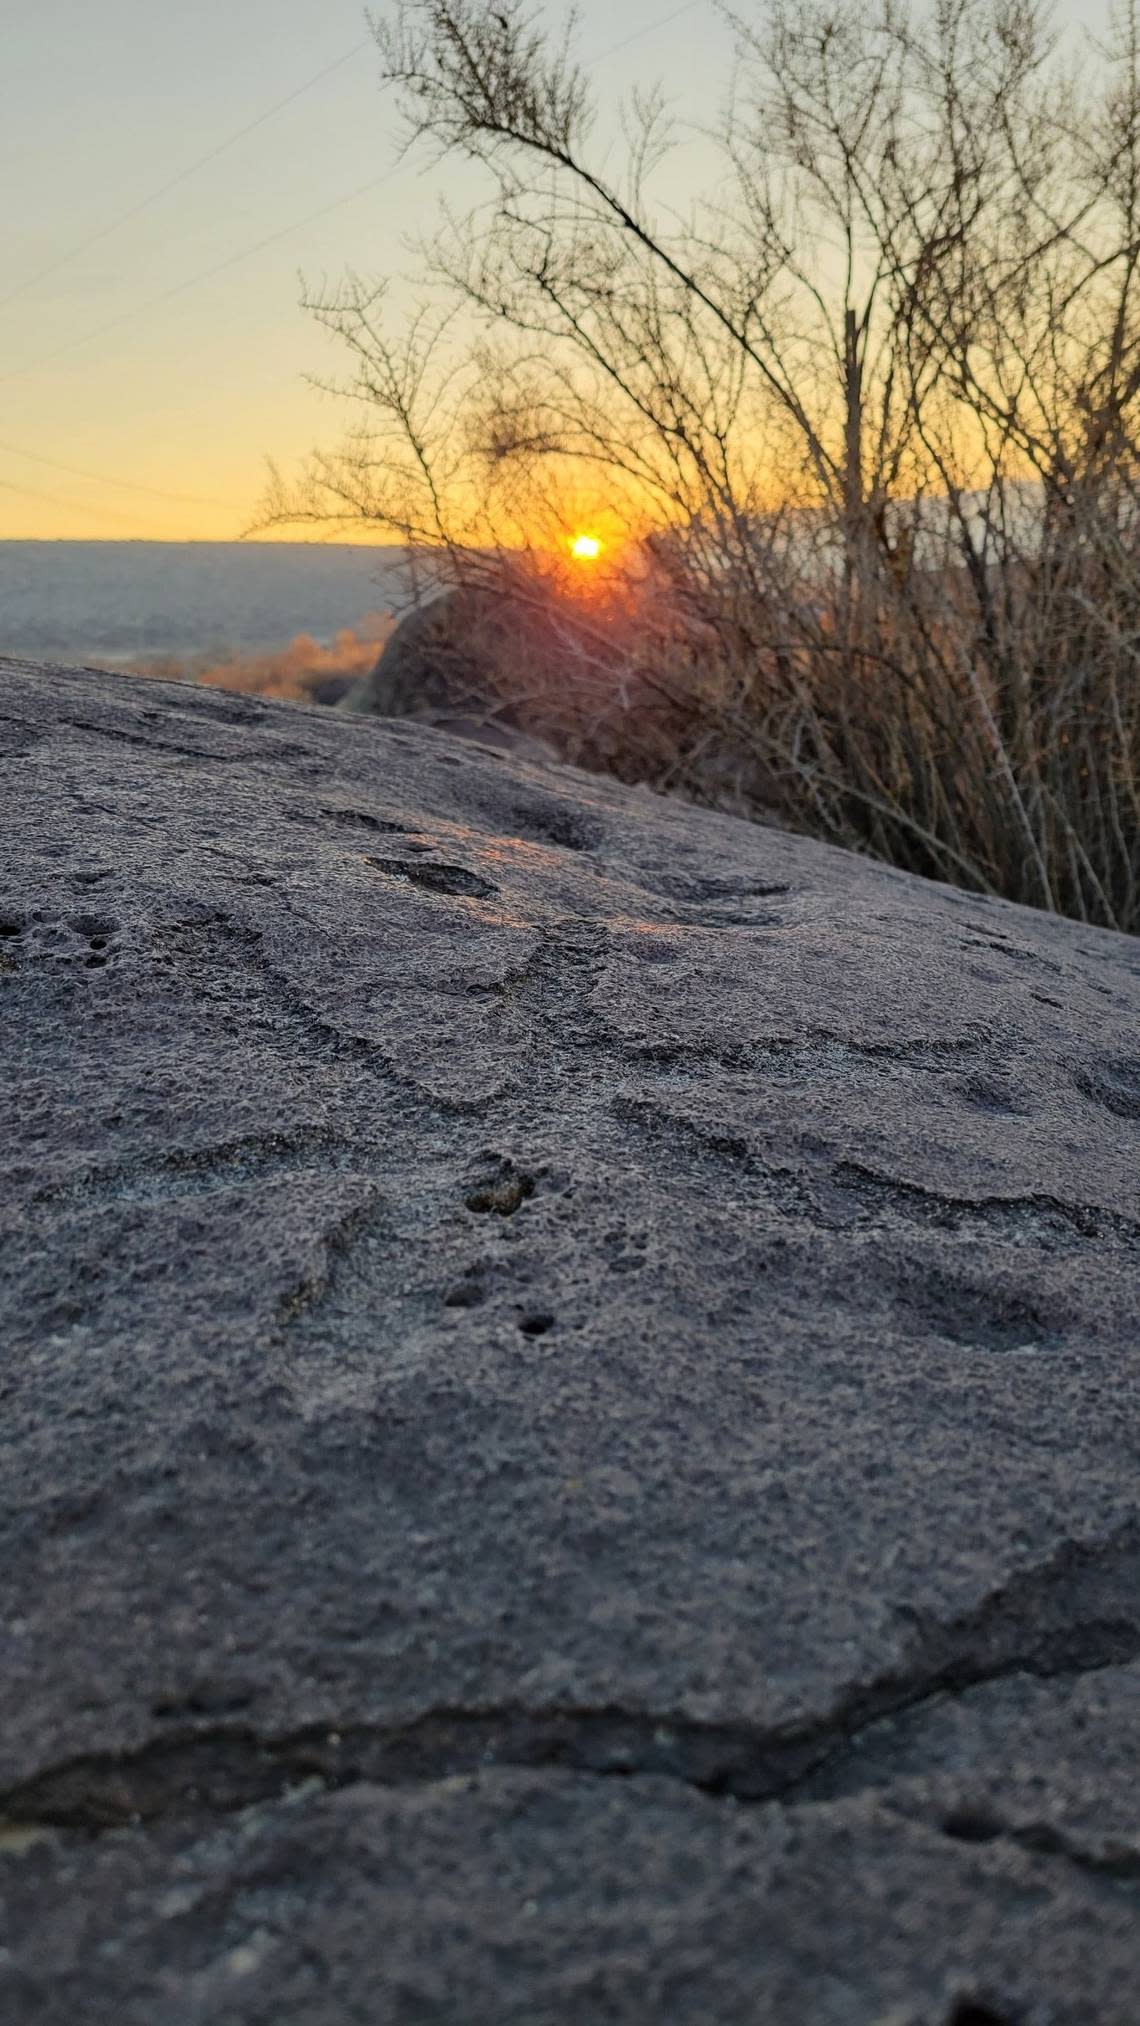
(297, 225)
(73, 506)
(144, 203)
(650, 29)
(195, 280)
(103, 478)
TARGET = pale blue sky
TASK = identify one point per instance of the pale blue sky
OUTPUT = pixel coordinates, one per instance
(104, 104)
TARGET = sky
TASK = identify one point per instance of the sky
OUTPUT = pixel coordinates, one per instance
(153, 351)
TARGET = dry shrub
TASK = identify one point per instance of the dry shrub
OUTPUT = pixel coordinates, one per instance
(869, 412)
(294, 674)
(981, 728)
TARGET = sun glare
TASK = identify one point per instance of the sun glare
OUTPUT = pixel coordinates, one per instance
(585, 548)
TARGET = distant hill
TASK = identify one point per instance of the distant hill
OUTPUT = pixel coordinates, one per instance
(118, 601)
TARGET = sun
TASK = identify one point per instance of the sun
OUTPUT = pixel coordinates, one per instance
(585, 548)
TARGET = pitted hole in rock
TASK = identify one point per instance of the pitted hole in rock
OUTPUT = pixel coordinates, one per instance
(537, 1323)
(223, 706)
(363, 819)
(97, 930)
(971, 1825)
(539, 820)
(500, 1191)
(655, 953)
(975, 2012)
(1014, 951)
(470, 1292)
(976, 1316)
(1114, 1085)
(204, 1698)
(12, 924)
(700, 892)
(436, 878)
(725, 903)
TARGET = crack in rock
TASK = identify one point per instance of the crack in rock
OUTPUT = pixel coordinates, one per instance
(1008, 1219)
(350, 818)
(849, 1195)
(809, 1058)
(1114, 1860)
(333, 1041)
(1071, 1615)
(231, 754)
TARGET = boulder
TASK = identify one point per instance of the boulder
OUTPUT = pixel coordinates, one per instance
(465, 661)
(570, 1374)
(440, 664)
(421, 668)
(437, 661)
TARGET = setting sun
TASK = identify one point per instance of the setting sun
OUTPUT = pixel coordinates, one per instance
(585, 548)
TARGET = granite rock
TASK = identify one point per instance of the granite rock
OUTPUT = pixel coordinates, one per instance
(570, 1400)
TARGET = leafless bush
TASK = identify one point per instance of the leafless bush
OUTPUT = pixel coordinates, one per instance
(862, 429)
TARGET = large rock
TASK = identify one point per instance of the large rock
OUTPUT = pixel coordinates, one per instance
(570, 1375)
(442, 664)
(429, 664)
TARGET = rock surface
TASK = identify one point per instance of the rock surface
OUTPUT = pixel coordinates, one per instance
(569, 1387)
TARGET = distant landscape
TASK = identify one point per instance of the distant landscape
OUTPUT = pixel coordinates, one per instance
(257, 613)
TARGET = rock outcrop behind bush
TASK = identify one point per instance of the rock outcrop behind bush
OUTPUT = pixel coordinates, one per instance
(431, 664)
(439, 665)
(569, 1401)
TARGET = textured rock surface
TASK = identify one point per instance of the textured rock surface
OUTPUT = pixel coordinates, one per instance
(569, 1399)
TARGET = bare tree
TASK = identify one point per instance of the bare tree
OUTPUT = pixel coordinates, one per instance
(871, 410)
